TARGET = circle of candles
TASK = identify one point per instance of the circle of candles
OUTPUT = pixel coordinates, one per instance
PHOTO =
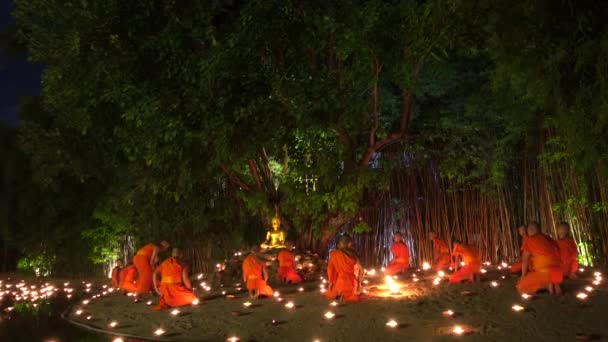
(517, 308)
(392, 324)
(159, 332)
(329, 315)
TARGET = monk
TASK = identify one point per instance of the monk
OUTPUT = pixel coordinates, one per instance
(116, 273)
(175, 287)
(342, 272)
(127, 278)
(401, 256)
(546, 263)
(255, 274)
(287, 271)
(441, 253)
(472, 263)
(567, 251)
(144, 261)
(516, 267)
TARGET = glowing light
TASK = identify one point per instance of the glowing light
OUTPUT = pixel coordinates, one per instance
(392, 285)
(504, 264)
(436, 281)
(499, 267)
(149, 302)
(596, 282)
(458, 330)
(487, 263)
(290, 305)
(517, 308)
(426, 266)
(392, 324)
(323, 290)
(78, 312)
(372, 272)
(329, 315)
(301, 289)
(276, 294)
(581, 270)
(247, 304)
(484, 271)
(199, 277)
(416, 279)
(494, 284)
(588, 288)
(441, 273)
(113, 324)
(581, 296)
(89, 318)
(597, 274)
(195, 302)
(448, 313)
(525, 296)
(383, 269)
(334, 303)
(233, 339)
(159, 332)
(118, 339)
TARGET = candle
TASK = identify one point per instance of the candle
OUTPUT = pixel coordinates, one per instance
(233, 339)
(596, 282)
(175, 312)
(149, 302)
(436, 281)
(113, 324)
(383, 269)
(517, 308)
(458, 330)
(392, 324)
(484, 271)
(525, 296)
(118, 339)
(289, 305)
(276, 294)
(371, 272)
(448, 313)
(247, 304)
(494, 284)
(504, 264)
(195, 302)
(581, 296)
(159, 332)
(89, 318)
(78, 312)
(441, 273)
(329, 315)
(426, 266)
(589, 288)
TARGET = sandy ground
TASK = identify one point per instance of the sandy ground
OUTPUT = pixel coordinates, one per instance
(486, 309)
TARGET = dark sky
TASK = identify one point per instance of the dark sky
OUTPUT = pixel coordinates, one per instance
(17, 76)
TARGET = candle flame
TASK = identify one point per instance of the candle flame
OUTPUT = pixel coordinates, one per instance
(329, 315)
(247, 304)
(448, 313)
(113, 324)
(494, 284)
(392, 324)
(334, 303)
(589, 288)
(581, 296)
(426, 266)
(289, 305)
(525, 296)
(392, 285)
(517, 308)
(301, 289)
(458, 330)
(175, 312)
(441, 273)
(159, 332)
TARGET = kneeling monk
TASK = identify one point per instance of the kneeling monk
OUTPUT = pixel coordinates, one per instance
(144, 261)
(441, 253)
(116, 273)
(472, 263)
(287, 271)
(342, 272)
(401, 256)
(175, 287)
(546, 263)
(567, 250)
(255, 274)
(127, 279)
(516, 267)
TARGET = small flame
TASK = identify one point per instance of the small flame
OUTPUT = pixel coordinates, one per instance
(458, 330)
(494, 284)
(289, 305)
(392, 285)
(175, 312)
(247, 304)
(334, 303)
(525, 296)
(581, 296)
(517, 308)
(159, 332)
(441, 273)
(329, 315)
(113, 324)
(589, 288)
(392, 324)
(426, 266)
(448, 313)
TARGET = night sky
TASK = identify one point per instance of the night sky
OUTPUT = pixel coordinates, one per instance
(17, 77)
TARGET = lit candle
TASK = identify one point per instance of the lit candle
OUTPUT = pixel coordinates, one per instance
(494, 284)
(581, 296)
(334, 303)
(149, 302)
(371, 272)
(159, 332)
(175, 312)
(484, 271)
(596, 282)
(113, 324)
(517, 308)
(195, 302)
(504, 264)
(233, 339)
(458, 330)
(581, 270)
(448, 313)
(383, 269)
(89, 318)
(589, 288)
(329, 315)
(441, 273)
(597, 274)
(426, 266)
(118, 339)
(301, 289)
(247, 304)
(78, 312)
(323, 290)
(436, 281)
(525, 296)
(392, 324)
(289, 305)
(276, 294)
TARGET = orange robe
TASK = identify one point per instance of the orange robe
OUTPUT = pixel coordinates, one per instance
(516, 267)
(545, 262)
(253, 275)
(116, 277)
(142, 262)
(568, 255)
(441, 250)
(472, 262)
(341, 273)
(401, 259)
(128, 279)
(287, 271)
(172, 292)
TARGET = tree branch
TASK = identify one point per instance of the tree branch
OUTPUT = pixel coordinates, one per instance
(255, 174)
(235, 178)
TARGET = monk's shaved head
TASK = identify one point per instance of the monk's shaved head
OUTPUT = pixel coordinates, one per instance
(344, 240)
(120, 263)
(533, 228)
(256, 249)
(397, 237)
(176, 252)
(563, 229)
(164, 245)
(521, 230)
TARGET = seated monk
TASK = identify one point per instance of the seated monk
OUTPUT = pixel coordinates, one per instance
(255, 274)
(175, 287)
(144, 260)
(441, 253)
(516, 267)
(546, 263)
(127, 278)
(342, 273)
(116, 273)
(472, 263)
(567, 251)
(287, 271)
(401, 256)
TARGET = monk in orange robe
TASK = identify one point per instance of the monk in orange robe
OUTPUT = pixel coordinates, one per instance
(401, 256)
(567, 250)
(516, 267)
(472, 263)
(546, 263)
(175, 287)
(116, 273)
(441, 253)
(255, 274)
(144, 260)
(342, 272)
(127, 278)
(287, 271)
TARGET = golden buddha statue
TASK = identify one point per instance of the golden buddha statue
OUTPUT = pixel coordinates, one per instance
(275, 238)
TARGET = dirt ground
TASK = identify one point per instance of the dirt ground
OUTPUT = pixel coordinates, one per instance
(484, 309)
